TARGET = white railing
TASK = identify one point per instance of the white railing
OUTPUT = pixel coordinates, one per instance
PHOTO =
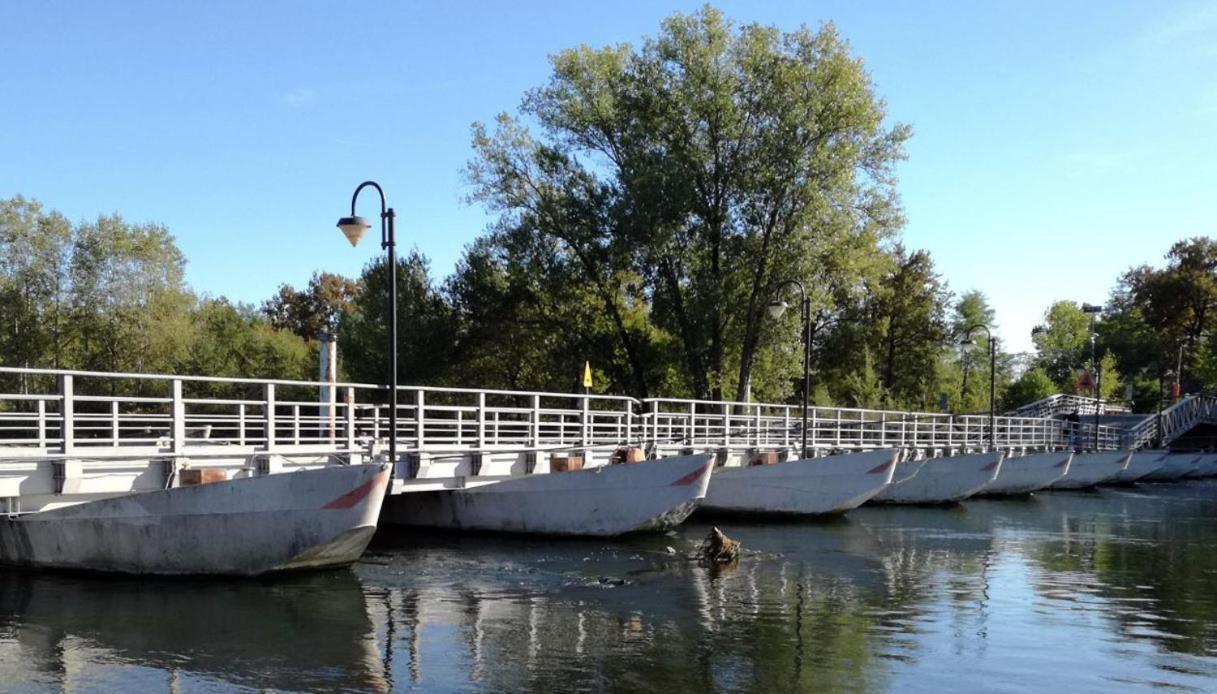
(1173, 421)
(74, 412)
(113, 415)
(1063, 403)
(704, 424)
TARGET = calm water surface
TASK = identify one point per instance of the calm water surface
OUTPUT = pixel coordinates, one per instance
(1081, 591)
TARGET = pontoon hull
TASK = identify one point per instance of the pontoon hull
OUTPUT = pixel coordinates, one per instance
(1026, 474)
(944, 480)
(1089, 469)
(813, 486)
(1142, 464)
(600, 501)
(299, 520)
(1176, 467)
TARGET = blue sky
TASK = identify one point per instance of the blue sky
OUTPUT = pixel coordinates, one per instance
(1055, 145)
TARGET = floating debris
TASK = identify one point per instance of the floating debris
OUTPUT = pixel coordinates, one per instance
(719, 549)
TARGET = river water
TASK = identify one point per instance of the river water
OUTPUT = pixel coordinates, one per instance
(1070, 591)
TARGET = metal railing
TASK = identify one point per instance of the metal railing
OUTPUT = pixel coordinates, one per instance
(1161, 430)
(1064, 403)
(97, 415)
(704, 423)
(100, 414)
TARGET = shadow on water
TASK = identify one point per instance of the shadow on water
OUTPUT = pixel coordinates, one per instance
(87, 631)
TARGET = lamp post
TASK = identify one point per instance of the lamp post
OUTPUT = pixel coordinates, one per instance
(1093, 311)
(777, 307)
(967, 342)
(354, 227)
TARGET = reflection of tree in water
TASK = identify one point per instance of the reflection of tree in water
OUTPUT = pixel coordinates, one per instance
(769, 626)
(1152, 554)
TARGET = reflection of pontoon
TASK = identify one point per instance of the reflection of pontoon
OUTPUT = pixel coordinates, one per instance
(304, 519)
(604, 500)
(1028, 473)
(943, 480)
(307, 630)
(832, 484)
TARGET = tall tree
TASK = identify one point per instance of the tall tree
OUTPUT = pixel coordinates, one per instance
(426, 330)
(908, 317)
(314, 310)
(712, 163)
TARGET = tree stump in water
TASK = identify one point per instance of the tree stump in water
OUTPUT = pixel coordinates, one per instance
(719, 549)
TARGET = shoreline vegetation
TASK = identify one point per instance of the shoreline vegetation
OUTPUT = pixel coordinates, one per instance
(650, 200)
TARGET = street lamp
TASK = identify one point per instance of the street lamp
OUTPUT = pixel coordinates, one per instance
(967, 343)
(1093, 311)
(354, 227)
(777, 307)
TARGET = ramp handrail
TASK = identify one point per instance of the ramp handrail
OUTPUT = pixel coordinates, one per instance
(1066, 403)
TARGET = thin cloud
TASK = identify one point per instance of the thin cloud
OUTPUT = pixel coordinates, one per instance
(298, 98)
(1188, 33)
(1097, 163)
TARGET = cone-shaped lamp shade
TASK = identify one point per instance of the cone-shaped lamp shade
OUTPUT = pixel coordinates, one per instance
(967, 343)
(353, 228)
(777, 308)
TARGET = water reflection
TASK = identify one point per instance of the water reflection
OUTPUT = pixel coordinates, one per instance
(84, 632)
(1075, 590)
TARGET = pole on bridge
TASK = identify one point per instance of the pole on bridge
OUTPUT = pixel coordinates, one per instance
(778, 307)
(967, 343)
(354, 227)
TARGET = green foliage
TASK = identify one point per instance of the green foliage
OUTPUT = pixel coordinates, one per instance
(109, 296)
(1035, 384)
(707, 165)
(425, 326)
(315, 310)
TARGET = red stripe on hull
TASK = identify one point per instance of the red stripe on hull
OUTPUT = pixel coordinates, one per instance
(358, 493)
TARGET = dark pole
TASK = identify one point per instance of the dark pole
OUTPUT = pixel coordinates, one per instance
(967, 341)
(388, 242)
(805, 305)
(1098, 391)
(992, 391)
(806, 362)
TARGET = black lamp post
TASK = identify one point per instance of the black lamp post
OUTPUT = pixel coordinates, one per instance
(353, 227)
(1093, 312)
(968, 342)
(777, 307)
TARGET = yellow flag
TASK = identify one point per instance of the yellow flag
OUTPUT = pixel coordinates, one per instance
(587, 374)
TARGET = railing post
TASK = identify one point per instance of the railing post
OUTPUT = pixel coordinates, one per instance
(296, 425)
(113, 422)
(420, 406)
(268, 411)
(629, 422)
(179, 418)
(67, 408)
(757, 439)
(786, 427)
(481, 421)
(350, 398)
(241, 424)
(587, 425)
(534, 433)
(42, 423)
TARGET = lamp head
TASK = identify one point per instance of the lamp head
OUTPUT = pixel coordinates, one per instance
(777, 308)
(968, 344)
(353, 228)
